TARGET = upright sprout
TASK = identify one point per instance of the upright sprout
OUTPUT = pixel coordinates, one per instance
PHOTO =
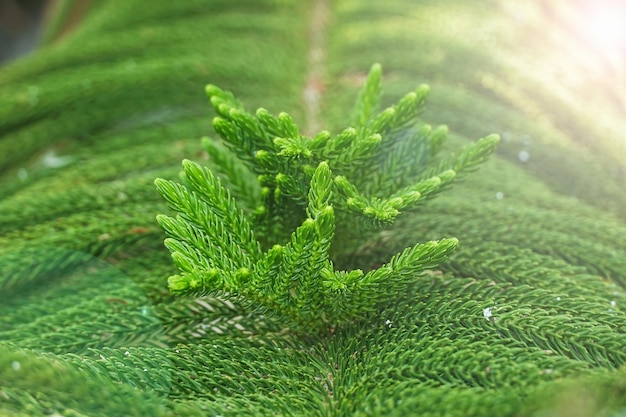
(309, 194)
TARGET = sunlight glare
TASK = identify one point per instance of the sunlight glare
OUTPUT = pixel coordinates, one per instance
(606, 29)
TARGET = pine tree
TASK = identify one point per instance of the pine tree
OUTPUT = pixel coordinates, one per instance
(522, 316)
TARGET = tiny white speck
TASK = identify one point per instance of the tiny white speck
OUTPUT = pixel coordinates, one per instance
(523, 156)
(214, 346)
(127, 353)
(145, 369)
(558, 298)
(499, 195)
(51, 160)
(487, 313)
(16, 366)
(177, 351)
(613, 303)
(145, 310)
(388, 323)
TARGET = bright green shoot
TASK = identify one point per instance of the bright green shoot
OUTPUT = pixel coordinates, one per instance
(298, 196)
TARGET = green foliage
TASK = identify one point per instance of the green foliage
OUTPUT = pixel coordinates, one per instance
(88, 326)
(56, 381)
(214, 244)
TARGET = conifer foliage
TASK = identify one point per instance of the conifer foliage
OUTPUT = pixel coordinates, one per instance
(277, 246)
(525, 318)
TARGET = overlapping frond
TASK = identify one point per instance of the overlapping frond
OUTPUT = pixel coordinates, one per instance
(302, 202)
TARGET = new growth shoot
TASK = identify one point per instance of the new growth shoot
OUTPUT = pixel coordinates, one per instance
(259, 225)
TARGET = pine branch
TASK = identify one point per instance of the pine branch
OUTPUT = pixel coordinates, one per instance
(233, 173)
(381, 161)
(369, 98)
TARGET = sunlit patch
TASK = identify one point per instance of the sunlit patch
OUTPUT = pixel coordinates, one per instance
(606, 28)
(602, 25)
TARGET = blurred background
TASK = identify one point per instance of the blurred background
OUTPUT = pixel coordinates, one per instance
(20, 27)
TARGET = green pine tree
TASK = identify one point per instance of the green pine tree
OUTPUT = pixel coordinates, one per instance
(311, 273)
